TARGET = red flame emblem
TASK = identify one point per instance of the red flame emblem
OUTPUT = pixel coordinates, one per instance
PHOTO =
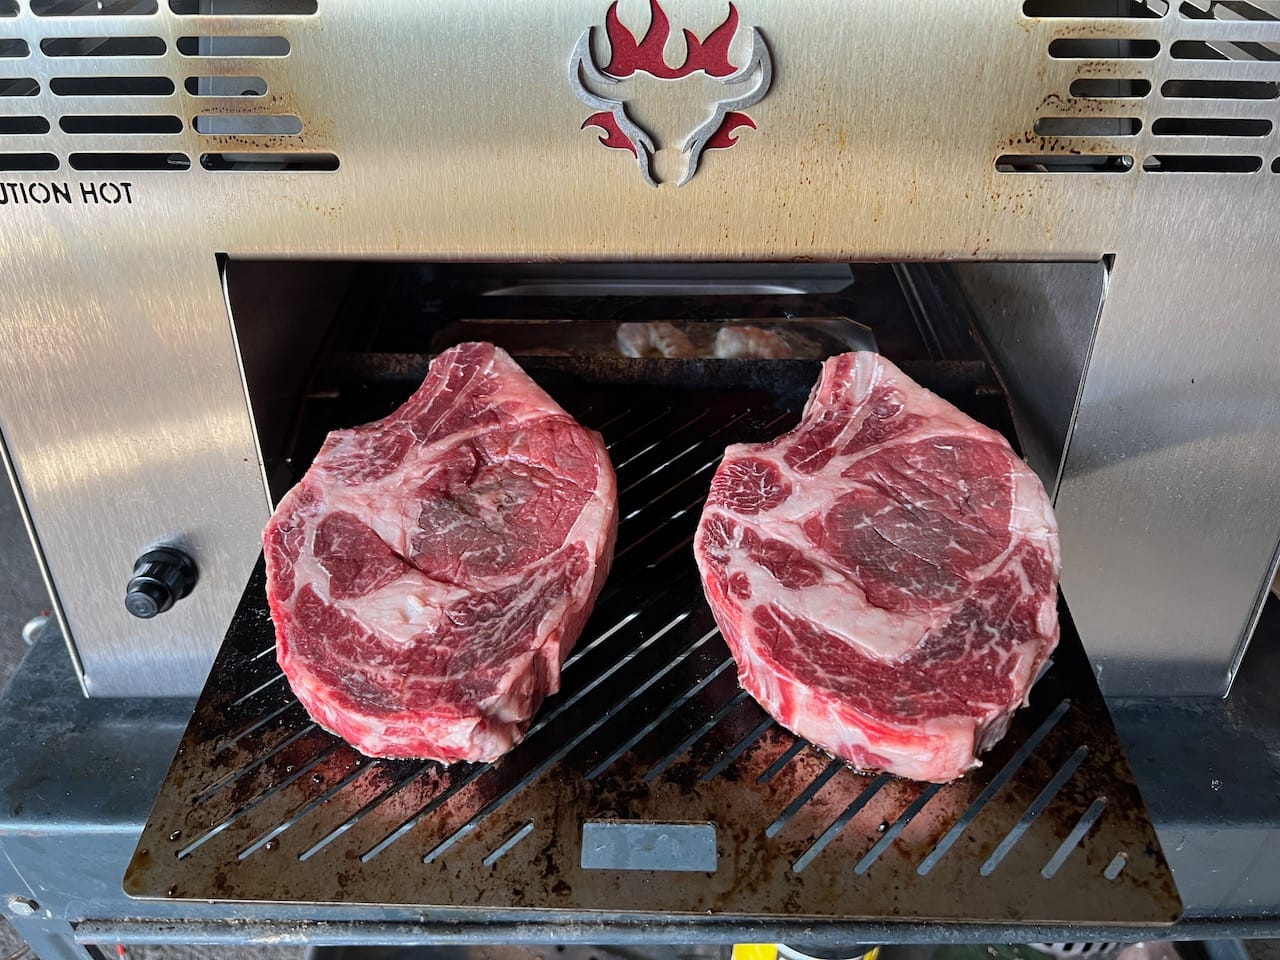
(747, 84)
(626, 56)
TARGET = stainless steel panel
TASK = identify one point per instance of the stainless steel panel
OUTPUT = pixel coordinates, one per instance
(129, 428)
(1167, 501)
(1038, 321)
(458, 136)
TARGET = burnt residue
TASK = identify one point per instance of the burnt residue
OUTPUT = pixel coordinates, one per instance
(406, 833)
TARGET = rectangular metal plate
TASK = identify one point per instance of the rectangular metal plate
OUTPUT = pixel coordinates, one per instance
(626, 845)
(651, 726)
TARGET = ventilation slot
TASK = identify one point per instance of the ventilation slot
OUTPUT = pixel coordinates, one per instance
(506, 846)
(1064, 163)
(1190, 163)
(1218, 50)
(1088, 126)
(103, 47)
(1275, 165)
(1130, 9)
(1083, 826)
(1230, 9)
(130, 161)
(28, 161)
(8, 8)
(1116, 866)
(94, 8)
(244, 8)
(111, 86)
(20, 126)
(226, 86)
(1037, 807)
(270, 162)
(1103, 49)
(122, 123)
(233, 46)
(13, 47)
(247, 125)
(1220, 89)
(1098, 88)
(18, 87)
(1210, 127)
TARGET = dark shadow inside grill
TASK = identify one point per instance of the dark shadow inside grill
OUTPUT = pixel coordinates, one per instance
(327, 345)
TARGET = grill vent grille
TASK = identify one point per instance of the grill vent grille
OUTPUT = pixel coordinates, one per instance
(192, 100)
(1145, 87)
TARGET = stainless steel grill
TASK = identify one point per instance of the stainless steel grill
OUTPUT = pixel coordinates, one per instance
(651, 784)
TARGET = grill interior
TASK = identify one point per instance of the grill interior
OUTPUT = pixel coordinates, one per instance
(651, 784)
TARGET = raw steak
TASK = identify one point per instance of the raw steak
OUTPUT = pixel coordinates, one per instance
(432, 570)
(885, 574)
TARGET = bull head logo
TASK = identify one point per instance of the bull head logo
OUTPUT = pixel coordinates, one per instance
(601, 88)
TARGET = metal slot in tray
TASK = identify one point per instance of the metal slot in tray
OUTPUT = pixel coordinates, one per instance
(690, 800)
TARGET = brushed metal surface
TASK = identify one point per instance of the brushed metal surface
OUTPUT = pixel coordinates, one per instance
(1038, 321)
(458, 136)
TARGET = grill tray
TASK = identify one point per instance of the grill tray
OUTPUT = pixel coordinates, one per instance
(652, 728)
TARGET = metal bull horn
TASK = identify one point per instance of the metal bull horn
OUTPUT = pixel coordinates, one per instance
(746, 85)
(582, 69)
(753, 92)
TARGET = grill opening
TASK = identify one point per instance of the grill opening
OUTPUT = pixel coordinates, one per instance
(1064, 163)
(650, 735)
(129, 123)
(129, 161)
(1087, 126)
(28, 161)
(236, 8)
(103, 47)
(1230, 9)
(1221, 89)
(266, 46)
(94, 8)
(1093, 9)
(23, 125)
(275, 162)
(1102, 48)
(1224, 50)
(13, 47)
(213, 86)
(1200, 163)
(1106, 88)
(19, 87)
(1211, 127)
(111, 86)
(8, 8)
(399, 314)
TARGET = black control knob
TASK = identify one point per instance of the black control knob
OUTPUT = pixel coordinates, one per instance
(161, 577)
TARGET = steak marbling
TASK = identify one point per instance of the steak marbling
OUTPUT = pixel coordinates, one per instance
(885, 574)
(431, 571)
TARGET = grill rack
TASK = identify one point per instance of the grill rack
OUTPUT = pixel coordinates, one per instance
(652, 735)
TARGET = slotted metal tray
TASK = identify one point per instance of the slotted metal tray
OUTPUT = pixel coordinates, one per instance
(653, 754)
